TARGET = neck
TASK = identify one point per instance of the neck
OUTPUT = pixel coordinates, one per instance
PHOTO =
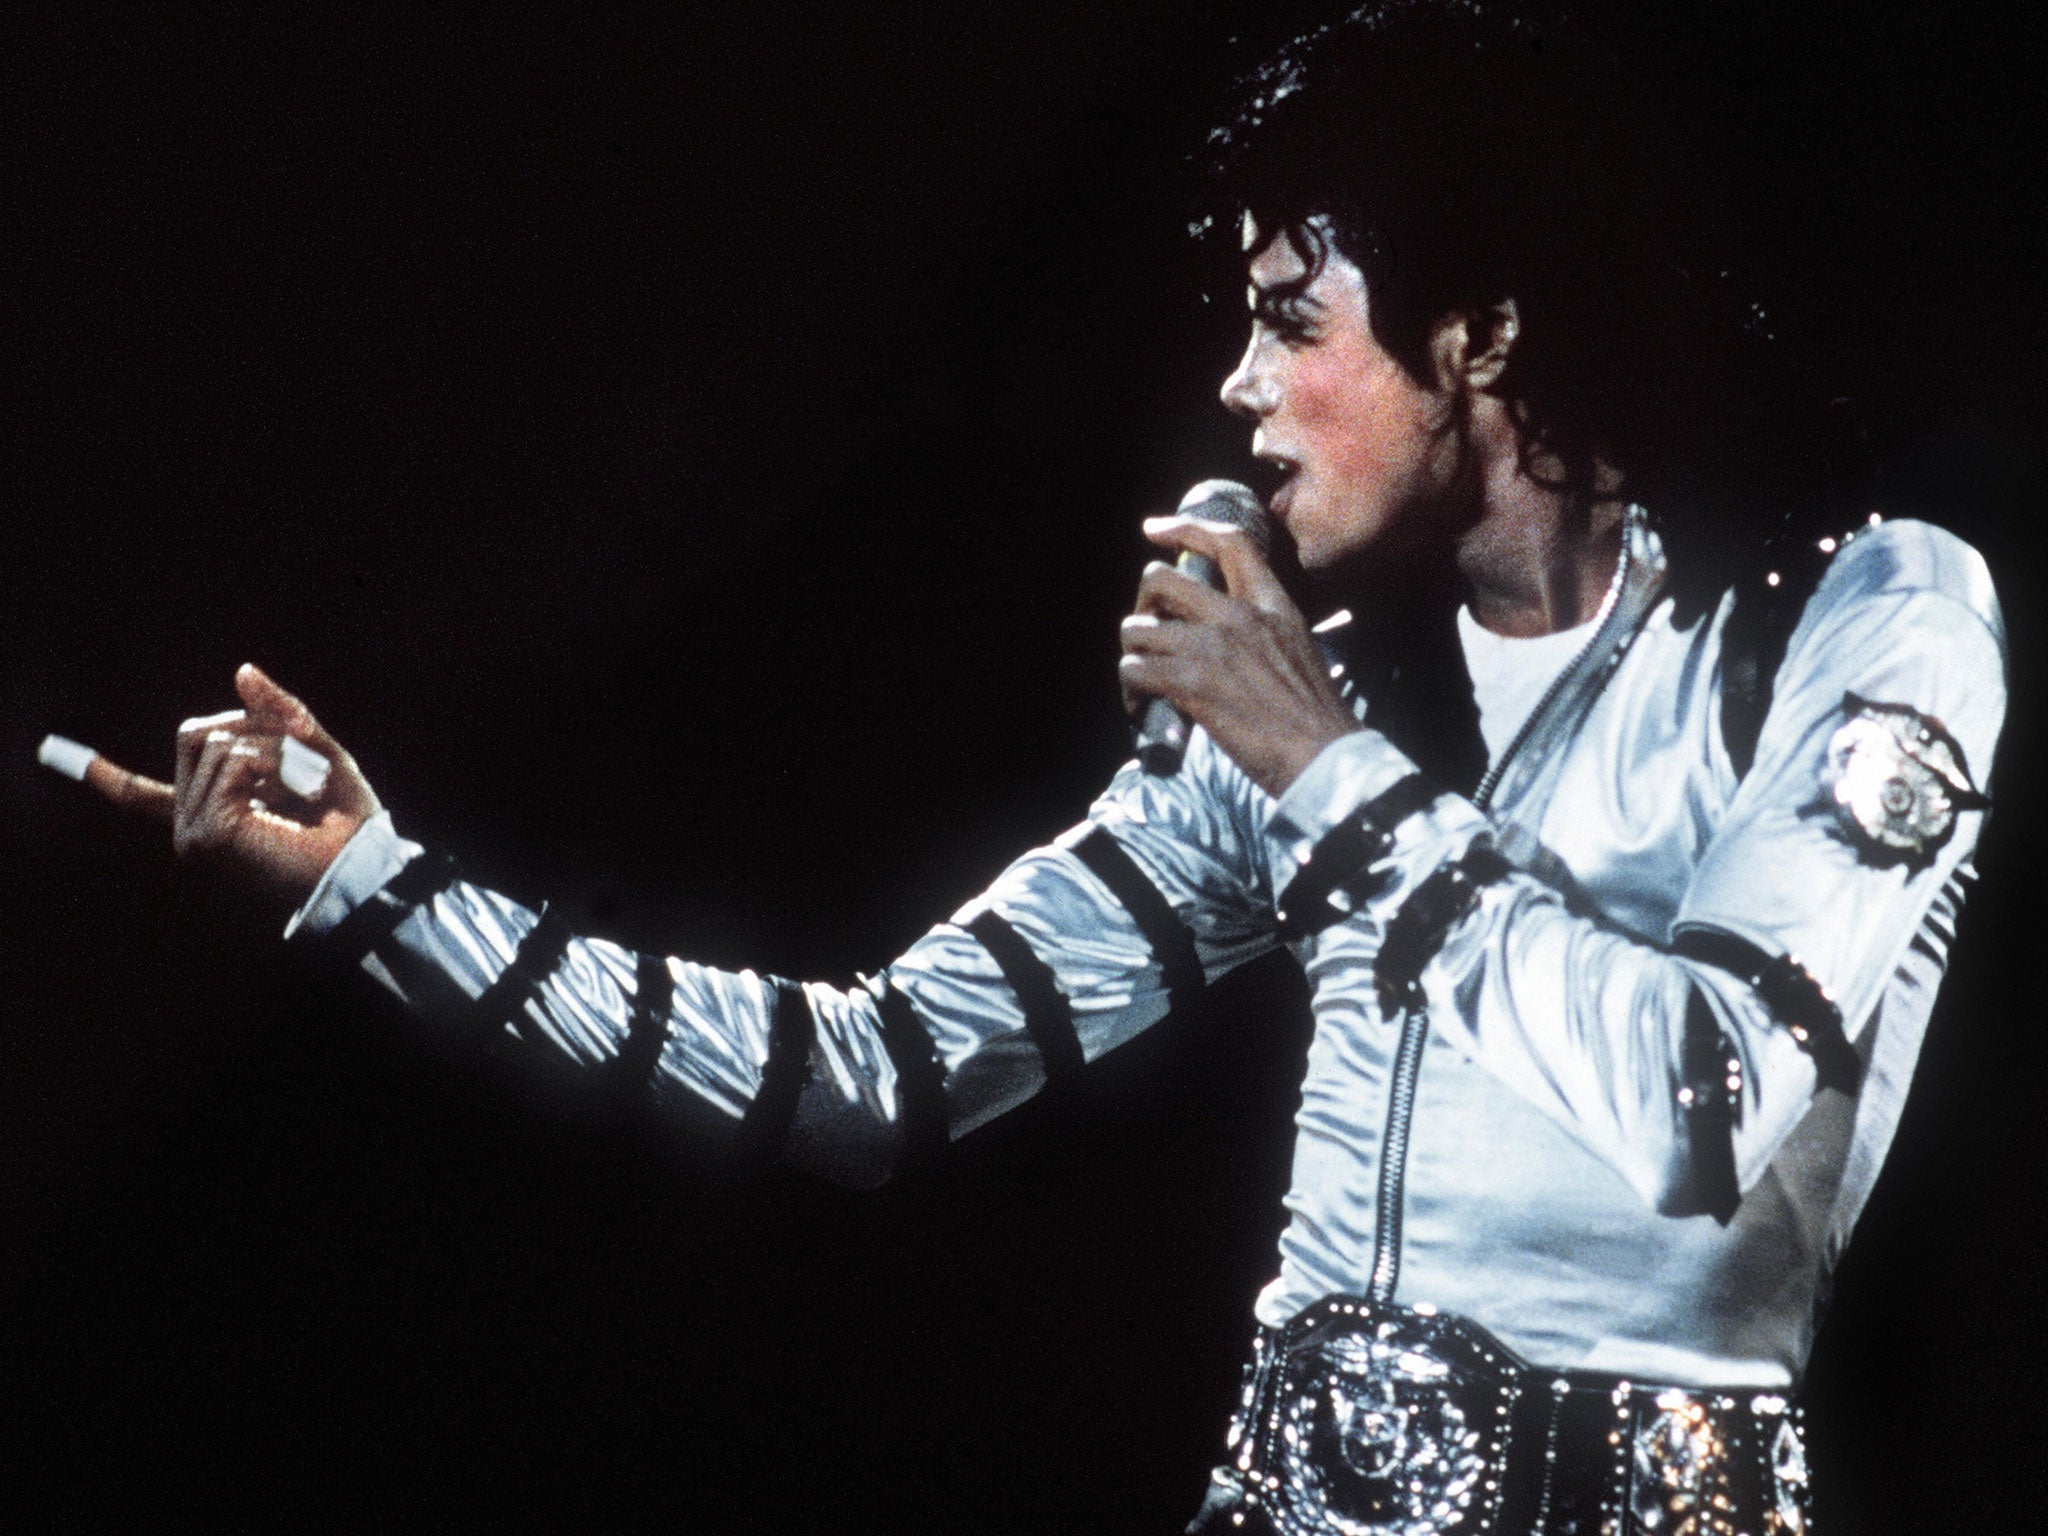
(1539, 559)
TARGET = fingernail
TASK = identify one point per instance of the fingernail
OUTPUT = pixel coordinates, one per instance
(303, 770)
(68, 757)
(1157, 522)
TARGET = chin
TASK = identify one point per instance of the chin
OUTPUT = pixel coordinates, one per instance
(1381, 573)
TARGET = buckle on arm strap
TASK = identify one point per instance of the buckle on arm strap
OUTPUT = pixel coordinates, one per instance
(1356, 843)
(1789, 991)
(1417, 931)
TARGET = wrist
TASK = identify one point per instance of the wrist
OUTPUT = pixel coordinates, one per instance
(1294, 757)
(356, 870)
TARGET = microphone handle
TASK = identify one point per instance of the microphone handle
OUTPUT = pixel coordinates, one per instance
(1163, 730)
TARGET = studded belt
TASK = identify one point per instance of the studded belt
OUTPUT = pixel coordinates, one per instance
(1368, 1420)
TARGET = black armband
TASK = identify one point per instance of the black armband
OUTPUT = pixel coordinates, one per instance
(1709, 1107)
(1791, 995)
(792, 1029)
(1417, 931)
(359, 933)
(503, 1001)
(1356, 843)
(1048, 1018)
(1173, 947)
(647, 1027)
(920, 1080)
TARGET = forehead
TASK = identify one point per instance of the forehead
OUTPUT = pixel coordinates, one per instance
(1281, 264)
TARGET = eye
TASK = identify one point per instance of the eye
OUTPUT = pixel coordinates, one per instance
(1288, 316)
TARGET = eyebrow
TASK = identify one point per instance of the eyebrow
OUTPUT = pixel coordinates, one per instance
(1295, 284)
(1289, 297)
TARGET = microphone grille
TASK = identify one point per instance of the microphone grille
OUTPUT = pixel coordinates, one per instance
(1229, 501)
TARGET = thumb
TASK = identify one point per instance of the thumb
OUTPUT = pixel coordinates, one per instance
(280, 710)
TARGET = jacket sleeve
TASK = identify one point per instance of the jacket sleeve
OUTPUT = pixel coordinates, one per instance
(1637, 1046)
(1074, 949)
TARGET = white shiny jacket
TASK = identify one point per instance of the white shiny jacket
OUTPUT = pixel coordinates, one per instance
(1541, 1106)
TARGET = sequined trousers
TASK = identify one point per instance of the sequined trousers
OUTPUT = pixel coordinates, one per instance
(1362, 1419)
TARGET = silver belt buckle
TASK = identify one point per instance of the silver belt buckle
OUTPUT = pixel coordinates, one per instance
(1385, 1422)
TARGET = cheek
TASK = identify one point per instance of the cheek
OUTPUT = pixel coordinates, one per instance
(1366, 417)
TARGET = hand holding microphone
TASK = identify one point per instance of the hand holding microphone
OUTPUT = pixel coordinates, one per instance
(262, 790)
(1162, 731)
(1238, 661)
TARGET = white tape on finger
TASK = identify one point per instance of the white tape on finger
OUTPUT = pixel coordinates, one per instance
(303, 770)
(68, 757)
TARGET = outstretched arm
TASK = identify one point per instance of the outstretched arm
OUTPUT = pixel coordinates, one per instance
(1074, 949)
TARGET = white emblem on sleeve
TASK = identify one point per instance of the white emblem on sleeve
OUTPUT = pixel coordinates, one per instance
(1897, 780)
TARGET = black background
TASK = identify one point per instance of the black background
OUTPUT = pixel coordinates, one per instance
(695, 463)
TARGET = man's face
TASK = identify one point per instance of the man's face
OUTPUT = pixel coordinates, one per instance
(1365, 452)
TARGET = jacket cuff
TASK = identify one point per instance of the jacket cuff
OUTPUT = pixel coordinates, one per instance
(358, 872)
(1351, 771)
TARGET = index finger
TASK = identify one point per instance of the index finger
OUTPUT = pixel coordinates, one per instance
(130, 791)
(1246, 572)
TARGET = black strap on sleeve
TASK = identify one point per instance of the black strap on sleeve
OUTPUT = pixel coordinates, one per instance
(1047, 1017)
(538, 954)
(1791, 994)
(1766, 610)
(1709, 1104)
(1417, 931)
(791, 1031)
(363, 929)
(1173, 947)
(1357, 842)
(647, 1029)
(920, 1080)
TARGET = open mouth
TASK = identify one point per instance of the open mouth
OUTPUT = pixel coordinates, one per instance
(1271, 476)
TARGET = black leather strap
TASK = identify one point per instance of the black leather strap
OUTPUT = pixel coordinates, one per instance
(1047, 1017)
(1173, 947)
(1709, 1105)
(1357, 842)
(1791, 994)
(369, 925)
(647, 1028)
(920, 1080)
(1417, 931)
(791, 1031)
(505, 998)
(1753, 640)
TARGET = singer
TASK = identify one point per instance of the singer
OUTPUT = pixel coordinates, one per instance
(1619, 821)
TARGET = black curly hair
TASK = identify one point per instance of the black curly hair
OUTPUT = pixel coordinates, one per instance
(1464, 152)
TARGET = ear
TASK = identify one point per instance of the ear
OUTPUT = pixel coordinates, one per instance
(1471, 346)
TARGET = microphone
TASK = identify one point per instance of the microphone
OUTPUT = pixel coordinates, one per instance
(1162, 736)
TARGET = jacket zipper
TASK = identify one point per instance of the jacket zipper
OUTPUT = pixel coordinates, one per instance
(1386, 1241)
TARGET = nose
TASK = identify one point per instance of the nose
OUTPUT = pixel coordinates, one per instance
(1248, 392)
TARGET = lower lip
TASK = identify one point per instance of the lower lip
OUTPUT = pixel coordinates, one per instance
(1282, 499)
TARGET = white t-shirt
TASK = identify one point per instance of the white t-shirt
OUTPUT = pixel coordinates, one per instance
(1511, 674)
